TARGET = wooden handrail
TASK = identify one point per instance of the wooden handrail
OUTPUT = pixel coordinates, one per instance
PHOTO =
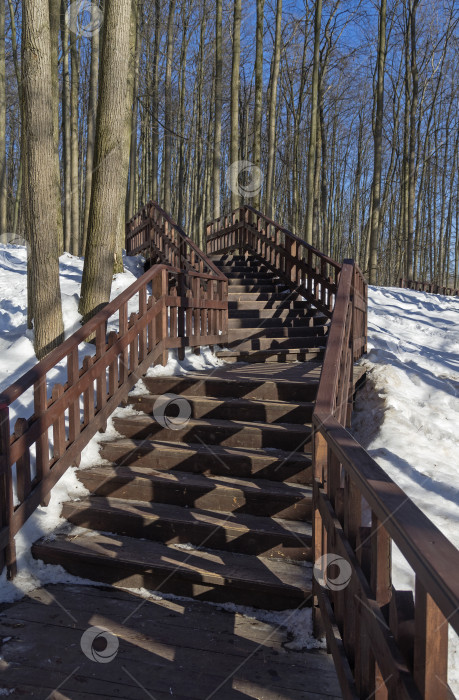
(185, 252)
(428, 287)
(302, 267)
(380, 646)
(177, 306)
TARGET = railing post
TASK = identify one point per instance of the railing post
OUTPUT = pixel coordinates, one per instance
(430, 647)
(6, 491)
(160, 291)
(42, 454)
(320, 468)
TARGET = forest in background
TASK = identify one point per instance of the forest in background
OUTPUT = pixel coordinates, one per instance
(338, 118)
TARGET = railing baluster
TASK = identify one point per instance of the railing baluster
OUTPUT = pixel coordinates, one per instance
(7, 556)
(124, 356)
(143, 332)
(430, 647)
(101, 384)
(59, 425)
(23, 476)
(88, 394)
(42, 445)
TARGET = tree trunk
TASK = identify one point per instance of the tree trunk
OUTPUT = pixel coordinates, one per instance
(413, 138)
(218, 110)
(131, 198)
(75, 190)
(66, 149)
(17, 70)
(313, 135)
(92, 112)
(235, 83)
(109, 182)
(3, 218)
(41, 176)
(269, 199)
(167, 151)
(181, 177)
(154, 99)
(54, 26)
(377, 162)
(258, 95)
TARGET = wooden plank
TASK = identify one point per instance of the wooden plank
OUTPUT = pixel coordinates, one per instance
(430, 647)
(125, 561)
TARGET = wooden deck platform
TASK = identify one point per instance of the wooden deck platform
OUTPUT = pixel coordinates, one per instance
(167, 649)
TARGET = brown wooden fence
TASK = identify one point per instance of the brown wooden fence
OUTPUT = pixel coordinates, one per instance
(428, 287)
(167, 307)
(386, 643)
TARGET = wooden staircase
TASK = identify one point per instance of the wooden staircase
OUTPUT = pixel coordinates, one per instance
(267, 322)
(218, 508)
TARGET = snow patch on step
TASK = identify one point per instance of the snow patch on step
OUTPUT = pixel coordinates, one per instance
(295, 624)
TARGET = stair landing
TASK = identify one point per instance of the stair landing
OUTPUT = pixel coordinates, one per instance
(168, 650)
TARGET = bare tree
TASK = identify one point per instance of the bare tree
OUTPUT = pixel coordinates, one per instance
(218, 108)
(109, 183)
(377, 133)
(41, 176)
(235, 83)
(313, 126)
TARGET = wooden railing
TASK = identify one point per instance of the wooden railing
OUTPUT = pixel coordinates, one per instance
(304, 268)
(167, 307)
(154, 233)
(386, 643)
(428, 287)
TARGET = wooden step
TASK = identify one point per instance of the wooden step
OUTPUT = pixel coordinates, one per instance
(280, 334)
(258, 296)
(265, 389)
(229, 409)
(289, 302)
(256, 288)
(284, 312)
(219, 493)
(263, 343)
(218, 577)
(229, 532)
(231, 433)
(275, 465)
(298, 319)
(230, 270)
(247, 279)
(250, 273)
(272, 355)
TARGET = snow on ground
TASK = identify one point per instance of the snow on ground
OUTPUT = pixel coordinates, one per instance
(407, 414)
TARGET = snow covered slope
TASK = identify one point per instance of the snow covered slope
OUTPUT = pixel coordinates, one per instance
(407, 414)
